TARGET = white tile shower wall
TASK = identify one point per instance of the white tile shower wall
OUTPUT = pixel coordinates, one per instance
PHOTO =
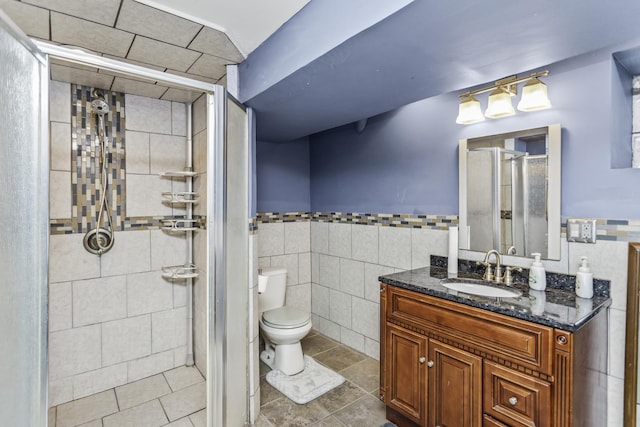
(113, 319)
(340, 311)
(60, 149)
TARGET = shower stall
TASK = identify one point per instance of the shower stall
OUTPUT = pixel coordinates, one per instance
(506, 204)
(91, 250)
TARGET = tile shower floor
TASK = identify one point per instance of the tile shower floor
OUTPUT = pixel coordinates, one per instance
(354, 403)
(177, 398)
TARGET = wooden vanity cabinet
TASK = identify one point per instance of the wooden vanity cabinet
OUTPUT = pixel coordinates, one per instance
(455, 386)
(407, 373)
(448, 364)
(450, 377)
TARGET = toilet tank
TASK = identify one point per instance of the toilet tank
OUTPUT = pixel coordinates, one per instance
(276, 288)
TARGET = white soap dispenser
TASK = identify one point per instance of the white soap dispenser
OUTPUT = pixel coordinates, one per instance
(584, 279)
(537, 275)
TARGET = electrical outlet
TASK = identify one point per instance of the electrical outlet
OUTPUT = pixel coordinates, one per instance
(581, 230)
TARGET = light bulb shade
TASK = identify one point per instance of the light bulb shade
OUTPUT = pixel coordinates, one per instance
(499, 104)
(534, 96)
(469, 111)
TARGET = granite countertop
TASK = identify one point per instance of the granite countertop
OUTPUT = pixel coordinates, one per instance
(558, 308)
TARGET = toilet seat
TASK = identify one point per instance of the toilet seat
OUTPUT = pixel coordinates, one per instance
(286, 318)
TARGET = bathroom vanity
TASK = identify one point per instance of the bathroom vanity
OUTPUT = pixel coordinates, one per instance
(456, 360)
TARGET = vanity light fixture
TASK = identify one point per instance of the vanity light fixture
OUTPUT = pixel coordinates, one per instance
(499, 104)
(469, 111)
(534, 97)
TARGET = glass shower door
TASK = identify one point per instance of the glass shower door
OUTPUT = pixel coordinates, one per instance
(24, 212)
(482, 179)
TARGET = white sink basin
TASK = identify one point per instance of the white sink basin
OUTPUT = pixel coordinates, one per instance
(469, 286)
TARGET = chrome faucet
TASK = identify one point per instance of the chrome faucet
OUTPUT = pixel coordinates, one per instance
(497, 277)
(489, 275)
(508, 277)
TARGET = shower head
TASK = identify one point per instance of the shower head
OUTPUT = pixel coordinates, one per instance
(100, 106)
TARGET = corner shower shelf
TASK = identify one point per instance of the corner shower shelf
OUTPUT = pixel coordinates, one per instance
(181, 197)
(178, 174)
(179, 224)
(186, 271)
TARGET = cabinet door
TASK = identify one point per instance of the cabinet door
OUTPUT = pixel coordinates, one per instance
(406, 376)
(516, 399)
(455, 387)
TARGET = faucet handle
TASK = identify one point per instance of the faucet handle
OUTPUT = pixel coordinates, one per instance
(508, 278)
(488, 272)
(498, 273)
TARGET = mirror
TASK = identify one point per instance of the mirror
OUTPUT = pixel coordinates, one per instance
(510, 192)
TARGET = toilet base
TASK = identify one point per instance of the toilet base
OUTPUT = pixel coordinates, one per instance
(287, 358)
(268, 356)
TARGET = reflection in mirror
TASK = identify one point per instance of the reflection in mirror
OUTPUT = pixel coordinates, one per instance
(510, 192)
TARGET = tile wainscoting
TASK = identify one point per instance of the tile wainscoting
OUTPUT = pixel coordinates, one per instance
(334, 260)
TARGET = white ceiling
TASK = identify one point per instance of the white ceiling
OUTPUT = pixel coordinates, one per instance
(191, 42)
(247, 22)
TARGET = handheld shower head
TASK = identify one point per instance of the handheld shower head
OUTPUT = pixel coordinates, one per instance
(99, 105)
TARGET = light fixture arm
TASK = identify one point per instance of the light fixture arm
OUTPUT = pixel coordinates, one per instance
(509, 83)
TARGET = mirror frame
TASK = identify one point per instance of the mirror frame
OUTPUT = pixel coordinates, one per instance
(554, 176)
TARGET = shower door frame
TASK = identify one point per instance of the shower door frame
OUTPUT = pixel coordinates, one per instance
(217, 380)
(27, 292)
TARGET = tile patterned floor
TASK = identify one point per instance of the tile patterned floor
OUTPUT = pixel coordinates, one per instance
(175, 398)
(354, 403)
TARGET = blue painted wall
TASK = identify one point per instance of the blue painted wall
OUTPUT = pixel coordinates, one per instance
(282, 171)
(405, 161)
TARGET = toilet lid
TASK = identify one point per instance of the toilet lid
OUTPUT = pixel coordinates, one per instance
(285, 317)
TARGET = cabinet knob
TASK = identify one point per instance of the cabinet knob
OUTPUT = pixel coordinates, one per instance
(422, 359)
(513, 400)
(430, 363)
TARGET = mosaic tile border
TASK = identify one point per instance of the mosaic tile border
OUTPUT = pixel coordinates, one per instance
(436, 222)
(66, 226)
(607, 229)
(269, 217)
(85, 159)
(618, 230)
(439, 222)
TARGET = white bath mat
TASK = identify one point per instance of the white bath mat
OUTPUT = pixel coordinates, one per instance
(314, 381)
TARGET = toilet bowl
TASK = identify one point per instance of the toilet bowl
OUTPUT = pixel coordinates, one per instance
(282, 327)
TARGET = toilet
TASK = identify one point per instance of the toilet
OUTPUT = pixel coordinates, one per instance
(282, 327)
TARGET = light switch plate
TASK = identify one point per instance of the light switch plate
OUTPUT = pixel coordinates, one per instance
(581, 230)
